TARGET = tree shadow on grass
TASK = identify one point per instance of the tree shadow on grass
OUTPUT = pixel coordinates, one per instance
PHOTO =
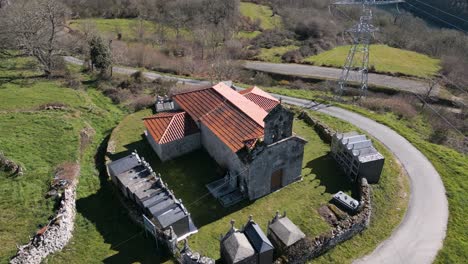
(110, 218)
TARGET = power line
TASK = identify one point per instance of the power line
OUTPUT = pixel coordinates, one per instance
(443, 11)
(434, 16)
(455, 85)
(440, 115)
(126, 240)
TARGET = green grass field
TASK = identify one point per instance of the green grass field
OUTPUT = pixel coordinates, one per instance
(128, 27)
(40, 140)
(262, 13)
(300, 200)
(451, 165)
(383, 59)
(274, 54)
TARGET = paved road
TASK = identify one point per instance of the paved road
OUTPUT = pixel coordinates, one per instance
(380, 80)
(422, 231)
(420, 235)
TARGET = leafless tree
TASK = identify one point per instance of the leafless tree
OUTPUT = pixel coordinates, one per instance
(4, 3)
(34, 27)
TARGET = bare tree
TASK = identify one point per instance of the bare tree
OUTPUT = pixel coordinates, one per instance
(33, 27)
(4, 3)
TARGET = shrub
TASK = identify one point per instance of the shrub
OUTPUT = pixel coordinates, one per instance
(141, 103)
(263, 79)
(118, 95)
(138, 76)
(273, 38)
(398, 105)
(72, 80)
(293, 56)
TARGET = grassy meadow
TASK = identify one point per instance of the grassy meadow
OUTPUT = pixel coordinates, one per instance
(40, 140)
(262, 13)
(274, 54)
(301, 200)
(383, 59)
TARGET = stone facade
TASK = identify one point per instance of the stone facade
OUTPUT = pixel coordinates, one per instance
(221, 153)
(282, 158)
(252, 170)
(176, 148)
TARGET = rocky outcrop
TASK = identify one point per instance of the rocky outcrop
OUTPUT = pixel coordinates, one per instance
(10, 166)
(55, 235)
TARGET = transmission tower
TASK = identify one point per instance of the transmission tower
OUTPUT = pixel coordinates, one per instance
(357, 61)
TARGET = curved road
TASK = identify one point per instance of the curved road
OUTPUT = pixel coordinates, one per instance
(421, 233)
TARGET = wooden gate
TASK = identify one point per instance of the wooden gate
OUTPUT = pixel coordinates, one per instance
(276, 180)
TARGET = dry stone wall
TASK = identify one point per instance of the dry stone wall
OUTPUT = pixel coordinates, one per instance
(325, 132)
(308, 249)
(55, 236)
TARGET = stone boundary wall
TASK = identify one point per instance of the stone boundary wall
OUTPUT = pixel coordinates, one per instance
(56, 235)
(308, 249)
(325, 133)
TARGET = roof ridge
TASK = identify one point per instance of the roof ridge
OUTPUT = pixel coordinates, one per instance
(194, 91)
(166, 115)
(168, 126)
(244, 110)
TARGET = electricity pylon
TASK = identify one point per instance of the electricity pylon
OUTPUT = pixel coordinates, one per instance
(357, 60)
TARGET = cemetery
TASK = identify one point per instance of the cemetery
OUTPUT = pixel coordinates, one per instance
(183, 228)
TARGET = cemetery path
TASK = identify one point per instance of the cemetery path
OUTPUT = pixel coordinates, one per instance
(420, 235)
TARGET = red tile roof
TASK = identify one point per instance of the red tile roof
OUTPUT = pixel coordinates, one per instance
(260, 98)
(229, 115)
(198, 103)
(233, 127)
(170, 126)
(240, 102)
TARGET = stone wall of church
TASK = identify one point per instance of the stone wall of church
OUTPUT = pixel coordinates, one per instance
(176, 148)
(221, 153)
(285, 155)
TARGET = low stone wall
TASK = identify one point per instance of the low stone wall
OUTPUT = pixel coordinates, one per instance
(308, 249)
(322, 130)
(55, 235)
(186, 256)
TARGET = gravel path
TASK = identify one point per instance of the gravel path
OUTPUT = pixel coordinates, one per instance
(396, 83)
(421, 233)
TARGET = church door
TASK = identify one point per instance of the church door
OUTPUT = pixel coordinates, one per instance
(276, 180)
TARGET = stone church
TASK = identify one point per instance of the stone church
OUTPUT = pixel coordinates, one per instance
(249, 133)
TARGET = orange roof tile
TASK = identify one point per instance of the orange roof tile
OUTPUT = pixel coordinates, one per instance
(260, 98)
(170, 126)
(229, 115)
(248, 107)
(233, 127)
(198, 103)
